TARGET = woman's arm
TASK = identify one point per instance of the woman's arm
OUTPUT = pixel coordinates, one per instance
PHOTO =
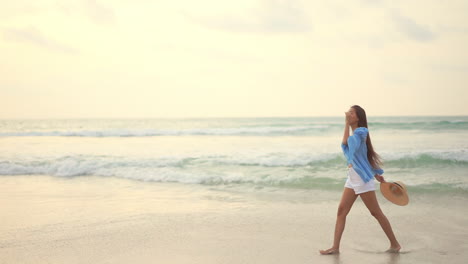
(344, 142)
(346, 130)
(380, 178)
(378, 174)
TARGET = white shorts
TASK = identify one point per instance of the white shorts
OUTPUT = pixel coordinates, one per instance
(355, 182)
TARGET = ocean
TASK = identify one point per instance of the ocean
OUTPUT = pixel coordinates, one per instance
(429, 154)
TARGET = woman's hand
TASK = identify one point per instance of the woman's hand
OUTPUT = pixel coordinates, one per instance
(347, 116)
(380, 178)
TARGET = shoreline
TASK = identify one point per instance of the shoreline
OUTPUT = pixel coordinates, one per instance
(91, 219)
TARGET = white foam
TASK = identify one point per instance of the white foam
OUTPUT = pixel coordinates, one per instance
(267, 130)
(242, 167)
(454, 155)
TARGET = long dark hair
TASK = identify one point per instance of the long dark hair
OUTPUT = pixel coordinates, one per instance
(372, 156)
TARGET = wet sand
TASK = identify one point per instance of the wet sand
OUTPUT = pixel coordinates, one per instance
(90, 219)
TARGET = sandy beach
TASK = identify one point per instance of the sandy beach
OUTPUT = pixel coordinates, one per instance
(93, 219)
(222, 132)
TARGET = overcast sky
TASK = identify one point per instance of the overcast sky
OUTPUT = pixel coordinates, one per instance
(243, 58)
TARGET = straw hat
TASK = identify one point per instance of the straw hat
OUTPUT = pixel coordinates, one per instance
(395, 192)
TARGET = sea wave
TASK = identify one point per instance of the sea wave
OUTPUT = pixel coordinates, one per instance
(422, 125)
(222, 127)
(77, 165)
(266, 130)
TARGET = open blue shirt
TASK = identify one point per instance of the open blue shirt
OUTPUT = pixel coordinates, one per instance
(356, 154)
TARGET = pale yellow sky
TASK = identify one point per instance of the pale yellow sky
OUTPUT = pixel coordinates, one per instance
(243, 58)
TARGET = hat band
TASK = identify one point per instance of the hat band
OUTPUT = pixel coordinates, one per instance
(398, 185)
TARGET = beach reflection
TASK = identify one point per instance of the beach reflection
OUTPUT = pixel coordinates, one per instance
(393, 258)
(336, 259)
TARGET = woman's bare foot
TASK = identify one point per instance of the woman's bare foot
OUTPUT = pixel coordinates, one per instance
(394, 249)
(330, 251)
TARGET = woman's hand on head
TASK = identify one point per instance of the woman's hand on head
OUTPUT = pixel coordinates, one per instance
(347, 116)
(380, 178)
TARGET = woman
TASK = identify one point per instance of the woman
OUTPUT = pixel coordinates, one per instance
(363, 166)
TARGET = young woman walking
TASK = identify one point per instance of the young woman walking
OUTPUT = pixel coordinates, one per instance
(363, 166)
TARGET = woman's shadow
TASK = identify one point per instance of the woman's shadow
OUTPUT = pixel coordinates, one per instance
(393, 258)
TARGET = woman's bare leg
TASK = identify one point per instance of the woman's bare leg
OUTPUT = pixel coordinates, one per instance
(347, 201)
(370, 200)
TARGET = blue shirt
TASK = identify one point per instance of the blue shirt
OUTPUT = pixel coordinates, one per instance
(356, 154)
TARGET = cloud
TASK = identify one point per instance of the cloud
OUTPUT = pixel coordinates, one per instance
(395, 78)
(453, 29)
(34, 36)
(273, 16)
(411, 29)
(99, 13)
(372, 41)
(457, 68)
(13, 9)
(373, 2)
(91, 9)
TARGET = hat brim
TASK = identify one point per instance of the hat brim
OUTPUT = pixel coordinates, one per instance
(395, 192)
